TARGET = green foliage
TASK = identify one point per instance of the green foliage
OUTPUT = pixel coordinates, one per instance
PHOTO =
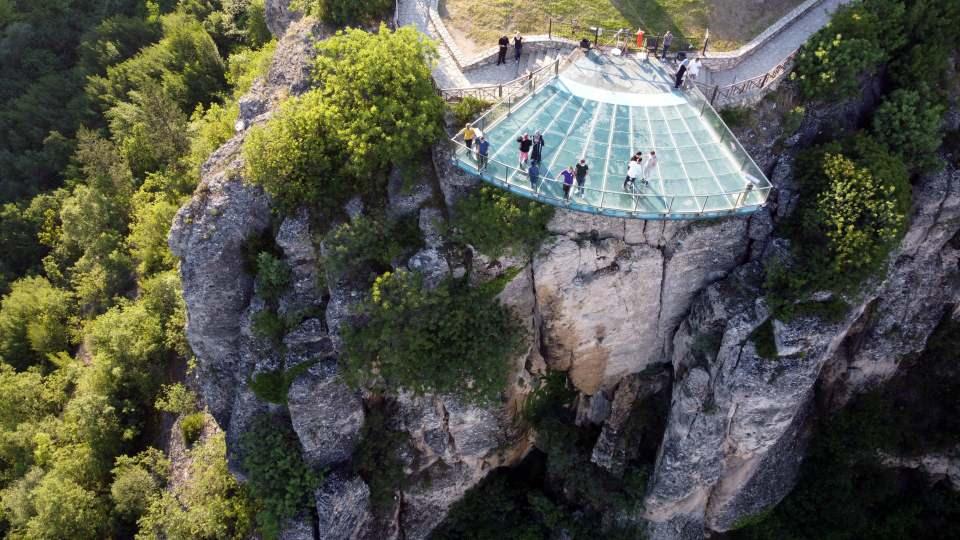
(377, 457)
(468, 109)
(148, 237)
(273, 386)
(792, 120)
(21, 225)
(765, 341)
(136, 480)
(248, 65)
(34, 322)
(177, 399)
(375, 106)
(344, 12)
(859, 37)
(279, 480)
(854, 202)
(191, 426)
(451, 339)
(910, 127)
(498, 223)
(273, 276)
(737, 117)
(64, 509)
(212, 506)
(369, 243)
(269, 326)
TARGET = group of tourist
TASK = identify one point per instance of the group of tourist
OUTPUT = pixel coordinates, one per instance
(504, 43)
(531, 157)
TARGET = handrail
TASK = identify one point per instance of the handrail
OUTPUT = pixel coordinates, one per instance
(512, 86)
(754, 83)
(668, 201)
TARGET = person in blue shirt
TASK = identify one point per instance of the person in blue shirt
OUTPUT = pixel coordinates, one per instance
(534, 173)
(567, 178)
(483, 150)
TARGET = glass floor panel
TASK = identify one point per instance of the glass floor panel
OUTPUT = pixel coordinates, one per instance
(697, 174)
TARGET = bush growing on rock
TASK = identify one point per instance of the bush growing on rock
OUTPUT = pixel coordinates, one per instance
(497, 223)
(279, 480)
(452, 339)
(342, 12)
(374, 106)
(910, 126)
(369, 243)
(858, 38)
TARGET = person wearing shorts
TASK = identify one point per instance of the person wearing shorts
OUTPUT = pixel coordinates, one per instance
(525, 145)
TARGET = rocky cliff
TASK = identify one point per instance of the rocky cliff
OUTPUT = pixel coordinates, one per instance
(603, 299)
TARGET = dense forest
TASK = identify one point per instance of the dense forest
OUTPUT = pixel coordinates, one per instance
(109, 109)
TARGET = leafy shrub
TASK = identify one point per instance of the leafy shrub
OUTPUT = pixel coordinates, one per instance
(854, 200)
(910, 127)
(278, 478)
(369, 243)
(859, 215)
(737, 117)
(377, 458)
(269, 326)
(273, 276)
(452, 339)
(273, 386)
(339, 140)
(468, 109)
(497, 223)
(191, 426)
(137, 479)
(211, 506)
(34, 321)
(858, 38)
(177, 399)
(793, 119)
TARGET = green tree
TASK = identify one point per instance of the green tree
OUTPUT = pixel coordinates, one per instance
(34, 322)
(911, 128)
(65, 509)
(452, 339)
(212, 506)
(344, 12)
(497, 223)
(279, 480)
(136, 480)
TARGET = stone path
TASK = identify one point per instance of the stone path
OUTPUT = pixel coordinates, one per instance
(771, 53)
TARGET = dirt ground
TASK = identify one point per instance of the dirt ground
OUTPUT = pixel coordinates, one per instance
(477, 24)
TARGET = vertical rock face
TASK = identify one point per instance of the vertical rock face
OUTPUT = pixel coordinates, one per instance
(279, 16)
(733, 444)
(611, 292)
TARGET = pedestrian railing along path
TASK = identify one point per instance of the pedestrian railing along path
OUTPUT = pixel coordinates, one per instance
(734, 93)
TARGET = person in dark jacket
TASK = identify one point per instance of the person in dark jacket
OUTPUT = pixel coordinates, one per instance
(582, 169)
(667, 40)
(517, 46)
(483, 150)
(678, 80)
(534, 173)
(536, 153)
(504, 42)
(525, 145)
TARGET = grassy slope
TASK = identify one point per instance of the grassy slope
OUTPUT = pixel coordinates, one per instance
(731, 22)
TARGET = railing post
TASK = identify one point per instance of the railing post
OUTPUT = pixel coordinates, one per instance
(596, 35)
(764, 81)
(500, 91)
(556, 67)
(550, 28)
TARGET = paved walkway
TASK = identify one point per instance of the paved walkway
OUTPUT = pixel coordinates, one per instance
(771, 53)
(448, 74)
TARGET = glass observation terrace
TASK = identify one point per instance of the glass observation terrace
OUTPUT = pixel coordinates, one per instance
(605, 109)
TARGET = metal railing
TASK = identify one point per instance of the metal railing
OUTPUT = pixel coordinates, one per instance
(729, 93)
(496, 92)
(619, 203)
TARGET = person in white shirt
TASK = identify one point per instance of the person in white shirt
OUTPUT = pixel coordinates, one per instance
(634, 171)
(651, 166)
